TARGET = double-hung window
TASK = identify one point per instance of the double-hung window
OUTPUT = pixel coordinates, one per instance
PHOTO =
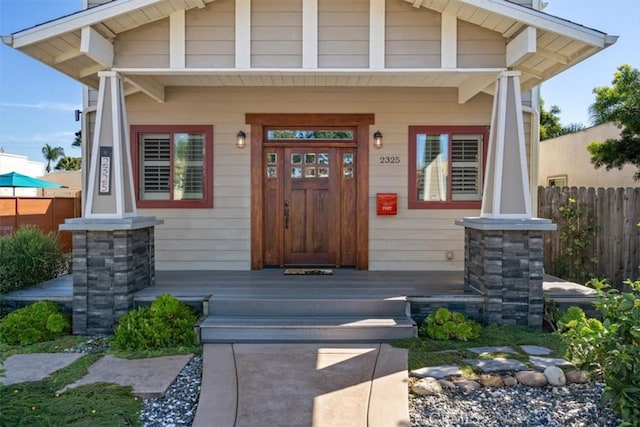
(446, 166)
(173, 165)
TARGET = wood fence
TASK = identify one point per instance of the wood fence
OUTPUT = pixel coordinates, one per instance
(615, 245)
(46, 213)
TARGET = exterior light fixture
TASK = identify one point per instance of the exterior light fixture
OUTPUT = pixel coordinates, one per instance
(377, 140)
(241, 140)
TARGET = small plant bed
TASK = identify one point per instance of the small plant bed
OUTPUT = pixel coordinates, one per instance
(424, 351)
(43, 403)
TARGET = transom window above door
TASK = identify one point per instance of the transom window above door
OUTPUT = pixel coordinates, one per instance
(173, 165)
(310, 134)
(446, 166)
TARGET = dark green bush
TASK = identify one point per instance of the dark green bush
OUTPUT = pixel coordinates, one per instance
(446, 325)
(610, 348)
(41, 321)
(166, 323)
(29, 257)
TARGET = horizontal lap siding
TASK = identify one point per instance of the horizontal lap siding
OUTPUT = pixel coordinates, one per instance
(276, 33)
(145, 46)
(343, 34)
(210, 36)
(479, 47)
(220, 238)
(412, 36)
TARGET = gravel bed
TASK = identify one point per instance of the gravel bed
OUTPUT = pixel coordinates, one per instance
(575, 405)
(178, 406)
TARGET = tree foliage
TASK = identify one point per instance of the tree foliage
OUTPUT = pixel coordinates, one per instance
(550, 126)
(69, 164)
(619, 104)
(51, 154)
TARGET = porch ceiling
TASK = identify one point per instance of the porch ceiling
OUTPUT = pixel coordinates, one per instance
(81, 44)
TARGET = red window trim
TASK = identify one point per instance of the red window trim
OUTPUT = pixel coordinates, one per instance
(413, 132)
(207, 130)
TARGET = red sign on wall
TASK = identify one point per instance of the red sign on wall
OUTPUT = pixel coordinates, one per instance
(387, 203)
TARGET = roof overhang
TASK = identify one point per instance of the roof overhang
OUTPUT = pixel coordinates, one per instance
(539, 45)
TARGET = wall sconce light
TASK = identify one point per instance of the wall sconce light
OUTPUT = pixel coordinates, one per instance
(377, 140)
(241, 140)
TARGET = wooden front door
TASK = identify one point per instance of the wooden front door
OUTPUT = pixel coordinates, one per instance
(310, 205)
(326, 217)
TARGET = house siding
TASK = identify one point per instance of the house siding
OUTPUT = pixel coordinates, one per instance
(343, 34)
(412, 36)
(145, 46)
(276, 33)
(219, 238)
(210, 36)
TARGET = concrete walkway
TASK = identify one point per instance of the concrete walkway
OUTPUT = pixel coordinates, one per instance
(319, 385)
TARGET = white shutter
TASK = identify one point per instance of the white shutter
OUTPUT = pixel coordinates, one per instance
(466, 161)
(155, 166)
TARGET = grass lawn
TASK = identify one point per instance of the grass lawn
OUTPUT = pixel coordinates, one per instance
(428, 352)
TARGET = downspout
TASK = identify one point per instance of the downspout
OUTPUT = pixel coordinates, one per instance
(534, 147)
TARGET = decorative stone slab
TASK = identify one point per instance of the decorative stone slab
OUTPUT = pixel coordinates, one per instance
(535, 350)
(148, 377)
(497, 364)
(438, 372)
(544, 362)
(35, 367)
(488, 350)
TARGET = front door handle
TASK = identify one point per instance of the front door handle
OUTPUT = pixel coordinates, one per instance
(286, 214)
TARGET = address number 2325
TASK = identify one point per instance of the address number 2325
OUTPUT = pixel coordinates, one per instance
(385, 160)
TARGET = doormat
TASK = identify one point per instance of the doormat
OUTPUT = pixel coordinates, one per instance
(308, 271)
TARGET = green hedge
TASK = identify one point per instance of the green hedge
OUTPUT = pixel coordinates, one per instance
(28, 257)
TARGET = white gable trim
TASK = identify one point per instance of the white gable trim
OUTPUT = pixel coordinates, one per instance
(177, 39)
(243, 33)
(76, 21)
(449, 41)
(95, 47)
(377, 26)
(309, 33)
(538, 19)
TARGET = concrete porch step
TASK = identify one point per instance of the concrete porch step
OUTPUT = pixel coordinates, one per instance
(266, 306)
(278, 328)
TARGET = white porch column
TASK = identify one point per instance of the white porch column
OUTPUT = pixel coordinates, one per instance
(110, 192)
(506, 187)
(113, 247)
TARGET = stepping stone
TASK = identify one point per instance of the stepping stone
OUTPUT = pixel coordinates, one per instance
(35, 367)
(147, 377)
(438, 372)
(497, 364)
(545, 362)
(535, 350)
(487, 350)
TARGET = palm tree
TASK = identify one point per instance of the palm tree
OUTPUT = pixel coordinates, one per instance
(51, 154)
(69, 164)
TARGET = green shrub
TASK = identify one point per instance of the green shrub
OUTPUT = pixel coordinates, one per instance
(166, 323)
(611, 347)
(29, 257)
(41, 321)
(446, 325)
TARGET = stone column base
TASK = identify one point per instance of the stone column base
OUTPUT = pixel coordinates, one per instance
(504, 262)
(112, 260)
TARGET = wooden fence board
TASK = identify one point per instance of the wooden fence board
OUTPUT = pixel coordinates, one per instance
(46, 213)
(616, 212)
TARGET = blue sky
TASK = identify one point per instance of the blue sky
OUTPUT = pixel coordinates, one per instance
(37, 103)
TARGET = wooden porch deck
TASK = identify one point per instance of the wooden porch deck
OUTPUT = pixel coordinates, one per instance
(199, 285)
